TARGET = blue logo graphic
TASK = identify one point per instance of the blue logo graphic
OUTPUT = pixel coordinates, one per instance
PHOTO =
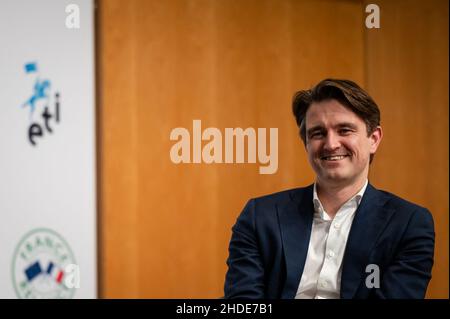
(40, 96)
(41, 88)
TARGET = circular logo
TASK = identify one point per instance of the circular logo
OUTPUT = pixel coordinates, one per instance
(40, 266)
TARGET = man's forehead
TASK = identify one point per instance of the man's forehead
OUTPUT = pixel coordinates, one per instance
(330, 106)
(330, 111)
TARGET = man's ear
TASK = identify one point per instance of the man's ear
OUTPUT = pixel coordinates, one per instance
(375, 139)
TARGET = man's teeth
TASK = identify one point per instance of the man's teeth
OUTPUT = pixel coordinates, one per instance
(334, 158)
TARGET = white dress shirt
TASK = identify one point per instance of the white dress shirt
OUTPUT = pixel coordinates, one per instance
(321, 278)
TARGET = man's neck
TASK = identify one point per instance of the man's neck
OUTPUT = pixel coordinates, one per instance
(333, 197)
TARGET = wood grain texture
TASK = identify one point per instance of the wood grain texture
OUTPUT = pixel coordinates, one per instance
(165, 228)
(407, 74)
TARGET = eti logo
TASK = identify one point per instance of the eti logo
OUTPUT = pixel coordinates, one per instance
(39, 102)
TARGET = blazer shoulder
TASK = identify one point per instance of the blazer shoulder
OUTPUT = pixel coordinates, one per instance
(282, 197)
(399, 204)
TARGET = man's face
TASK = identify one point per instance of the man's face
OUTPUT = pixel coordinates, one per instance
(337, 143)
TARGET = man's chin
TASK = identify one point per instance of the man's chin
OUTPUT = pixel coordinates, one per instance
(334, 177)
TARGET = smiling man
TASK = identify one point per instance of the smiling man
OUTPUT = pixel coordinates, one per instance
(339, 237)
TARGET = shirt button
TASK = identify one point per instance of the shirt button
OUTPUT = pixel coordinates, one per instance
(330, 254)
(337, 225)
(323, 284)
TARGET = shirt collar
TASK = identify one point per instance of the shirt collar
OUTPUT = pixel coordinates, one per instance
(318, 205)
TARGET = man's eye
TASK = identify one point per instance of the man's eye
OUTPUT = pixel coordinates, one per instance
(316, 135)
(345, 131)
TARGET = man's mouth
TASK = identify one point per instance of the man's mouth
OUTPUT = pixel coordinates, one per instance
(333, 158)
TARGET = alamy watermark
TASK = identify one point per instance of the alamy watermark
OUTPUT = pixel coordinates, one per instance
(373, 279)
(373, 18)
(230, 148)
(73, 16)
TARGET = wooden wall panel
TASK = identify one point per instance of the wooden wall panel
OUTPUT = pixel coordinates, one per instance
(118, 153)
(407, 74)
(164, 227)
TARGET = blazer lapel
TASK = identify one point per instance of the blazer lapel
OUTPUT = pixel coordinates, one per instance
(368, 223)
(295, 223)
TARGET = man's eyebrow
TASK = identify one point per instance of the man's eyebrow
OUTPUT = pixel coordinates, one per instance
(347, 124)
(339, 125)
(315, 128)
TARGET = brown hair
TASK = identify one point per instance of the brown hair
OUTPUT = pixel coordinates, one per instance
(347, 93)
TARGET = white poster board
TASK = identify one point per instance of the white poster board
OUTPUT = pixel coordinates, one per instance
(48, 246)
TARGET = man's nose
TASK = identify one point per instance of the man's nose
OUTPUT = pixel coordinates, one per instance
(331, 141)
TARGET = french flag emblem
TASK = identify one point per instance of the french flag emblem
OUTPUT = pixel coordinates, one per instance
(54, 272)
(33, 271)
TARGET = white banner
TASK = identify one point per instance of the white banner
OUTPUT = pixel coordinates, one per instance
(48, 246)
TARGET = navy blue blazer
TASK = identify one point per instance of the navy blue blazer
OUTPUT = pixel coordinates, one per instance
(269, 244)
